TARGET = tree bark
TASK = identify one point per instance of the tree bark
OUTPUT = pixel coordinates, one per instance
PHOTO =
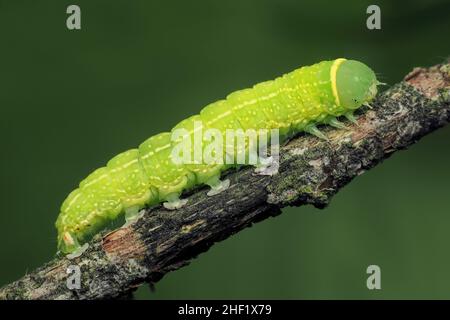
(311, 172)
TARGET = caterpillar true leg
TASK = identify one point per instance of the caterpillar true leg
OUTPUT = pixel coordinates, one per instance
(312, 129)
(217, 185)
(174, 202)
(350, 117)
(332, 121)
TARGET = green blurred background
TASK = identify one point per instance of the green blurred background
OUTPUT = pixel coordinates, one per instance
(70, 100)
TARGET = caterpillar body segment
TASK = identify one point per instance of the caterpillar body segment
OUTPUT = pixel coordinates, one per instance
(152, 174)
(163, 174)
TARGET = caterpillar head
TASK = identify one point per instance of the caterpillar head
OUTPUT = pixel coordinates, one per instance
(356, 84)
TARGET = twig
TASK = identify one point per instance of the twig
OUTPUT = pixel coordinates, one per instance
(311, 172)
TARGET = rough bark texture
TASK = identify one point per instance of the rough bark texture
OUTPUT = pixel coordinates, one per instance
(311, 172)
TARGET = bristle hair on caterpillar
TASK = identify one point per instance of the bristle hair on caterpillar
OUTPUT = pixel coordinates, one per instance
(227, 133)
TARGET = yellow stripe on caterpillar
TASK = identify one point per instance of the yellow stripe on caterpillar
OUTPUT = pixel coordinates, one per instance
(333, 73)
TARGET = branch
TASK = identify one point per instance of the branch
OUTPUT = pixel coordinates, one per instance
(311, 172)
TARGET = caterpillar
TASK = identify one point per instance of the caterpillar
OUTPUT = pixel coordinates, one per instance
(298, 101)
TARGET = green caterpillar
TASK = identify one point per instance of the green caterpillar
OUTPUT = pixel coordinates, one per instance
(297, 101)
